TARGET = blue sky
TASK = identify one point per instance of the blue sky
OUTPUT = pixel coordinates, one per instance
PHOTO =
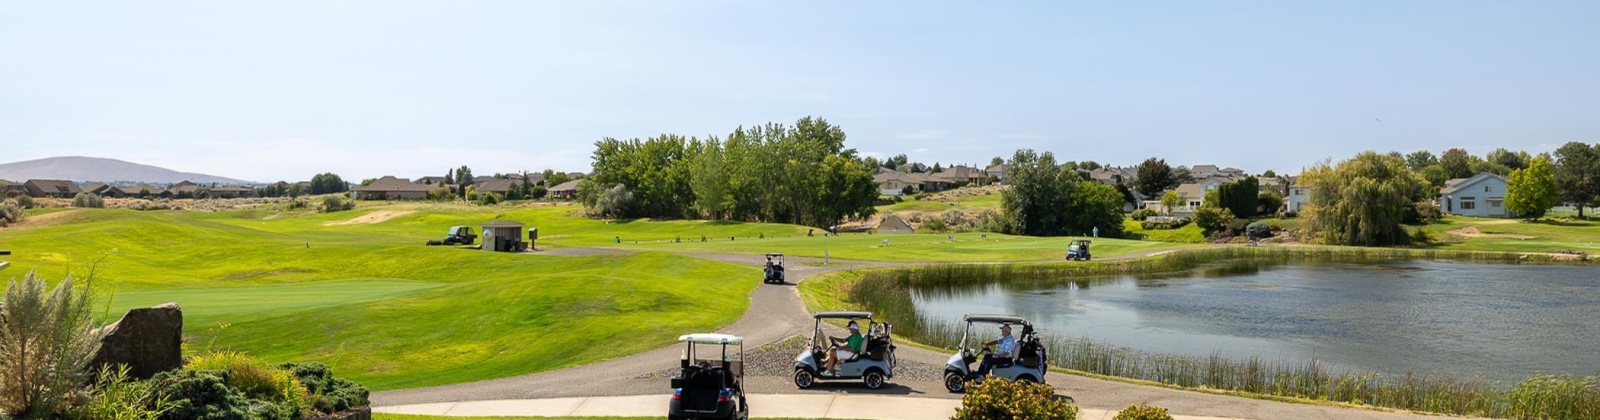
(268, 91)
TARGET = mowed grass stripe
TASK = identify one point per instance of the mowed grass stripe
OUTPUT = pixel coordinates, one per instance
(207, 307)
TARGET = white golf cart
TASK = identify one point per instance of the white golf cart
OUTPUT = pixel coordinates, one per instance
(1029, 364)
(709, 388)
(873, 366)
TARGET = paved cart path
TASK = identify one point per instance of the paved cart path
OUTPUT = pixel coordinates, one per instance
(776, 312)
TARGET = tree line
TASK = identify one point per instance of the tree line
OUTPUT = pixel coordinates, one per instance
(799, 173)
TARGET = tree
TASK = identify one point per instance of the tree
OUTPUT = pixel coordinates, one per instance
(1362, 200)
(1420, 159)
(1089, 165)
(463, 180)
(1531, 192)
(1240, 197)
(1169, 201)
(1509, 159)
(709, 181)
(1154, 177)
(1435, 175)
(997, 161)
(1092, 205)
(1036, 203)
(1457, 163)
(1270, 201)
(1269, 174)
(936, 168)
(1577, 172)
(328, 183)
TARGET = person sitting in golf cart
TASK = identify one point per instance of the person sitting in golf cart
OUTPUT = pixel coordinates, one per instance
(1006, 349)
(844, 348)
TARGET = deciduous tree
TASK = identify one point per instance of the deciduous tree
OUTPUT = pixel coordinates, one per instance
(1531, 192)
(1154, 177)
(1577, 173)
(1362, 200)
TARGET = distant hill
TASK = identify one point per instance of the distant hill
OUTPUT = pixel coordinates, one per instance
(86, 169)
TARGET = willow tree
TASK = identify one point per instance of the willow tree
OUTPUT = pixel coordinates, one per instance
(1362, 200)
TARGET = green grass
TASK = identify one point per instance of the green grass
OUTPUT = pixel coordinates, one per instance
(373, 302)
(1541, 236)
(1188, 234)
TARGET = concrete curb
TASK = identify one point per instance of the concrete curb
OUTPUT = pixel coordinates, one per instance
(822, 406)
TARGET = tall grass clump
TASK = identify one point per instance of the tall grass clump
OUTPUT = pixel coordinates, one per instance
(117, 397)
(46, 342)
(87, 200)
(889, 294)
(11, 213)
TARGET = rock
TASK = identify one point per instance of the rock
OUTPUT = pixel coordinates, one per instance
(147, 340)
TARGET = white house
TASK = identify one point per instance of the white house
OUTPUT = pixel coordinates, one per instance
(1482, 195)
(1298, 196)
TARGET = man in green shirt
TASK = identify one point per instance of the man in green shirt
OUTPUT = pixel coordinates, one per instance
(851, 347)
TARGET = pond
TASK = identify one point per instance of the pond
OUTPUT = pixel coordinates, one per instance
(1501, 321)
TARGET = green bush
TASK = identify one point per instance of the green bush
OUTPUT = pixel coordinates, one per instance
(46, 342)
(1213, 219)
(1143, 412)
(335, 203)
(1258, 230)
(328, 394)
(116, 397)
(488, 199)
(205, 394)
(1423, 213)
(934, 224)
(87, 200)
(256, 380)
(25, 201)
(998, 398)
(1142, 214)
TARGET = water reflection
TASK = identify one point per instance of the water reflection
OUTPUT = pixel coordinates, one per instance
(1504, 321)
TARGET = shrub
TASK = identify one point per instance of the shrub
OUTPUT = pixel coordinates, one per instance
(46, 342)
(1258, 230)
(256, 380)
(197, 394)
(11, 213)
(934, 224)
(1424, 213)
(997, 398)
(488, 199)
(116, 397)
(953, 218)
(1213, 219)
(1421, 237)
(328, 394)
(1143, 412)
(25, 201)
(87, 200)
(1237, 226)
(1164, 223)
(1142, 214)
(334, 203)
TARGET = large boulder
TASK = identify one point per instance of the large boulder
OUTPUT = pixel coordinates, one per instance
(147, 340)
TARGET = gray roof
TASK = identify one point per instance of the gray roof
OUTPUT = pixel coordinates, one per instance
(566, 186)
(842, 314)
(503, 224)
(1451, 186)
(996, 319)
(390, 183)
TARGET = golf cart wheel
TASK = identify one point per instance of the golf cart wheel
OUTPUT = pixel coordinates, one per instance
(873, 379)
(954, 382)
(1027, 379)
(804, 379)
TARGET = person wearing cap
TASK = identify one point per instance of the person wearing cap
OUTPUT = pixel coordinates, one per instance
(844, 348)
(1006, 347)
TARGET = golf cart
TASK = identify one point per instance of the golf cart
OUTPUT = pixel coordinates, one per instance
(1030, 363)
(1079, 250)
(709, 388)
(774, 269)
(872, 366)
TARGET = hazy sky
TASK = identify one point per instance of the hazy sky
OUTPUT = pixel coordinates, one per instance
(269, 91)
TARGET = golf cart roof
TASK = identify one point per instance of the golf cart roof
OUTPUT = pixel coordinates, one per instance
(842, 314)
(774, 254)
(1081, 241)
(711, 338)
(997, 319)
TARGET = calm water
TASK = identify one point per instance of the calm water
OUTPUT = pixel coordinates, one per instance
(1502, 321)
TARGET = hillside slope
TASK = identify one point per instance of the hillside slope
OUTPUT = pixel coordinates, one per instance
(84, 169)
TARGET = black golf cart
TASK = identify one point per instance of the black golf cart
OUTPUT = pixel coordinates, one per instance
(709, 388)
(774, 269)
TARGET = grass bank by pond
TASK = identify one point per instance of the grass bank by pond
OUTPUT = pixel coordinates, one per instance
(888, 293)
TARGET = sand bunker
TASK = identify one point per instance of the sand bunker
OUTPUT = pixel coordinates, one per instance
(379, 216)
(1473, 232)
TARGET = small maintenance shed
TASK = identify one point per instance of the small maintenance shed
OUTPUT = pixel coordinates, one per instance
(894, 224)
(503, 236)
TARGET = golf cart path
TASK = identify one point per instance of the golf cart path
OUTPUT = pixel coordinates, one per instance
(776, 312)
(819, 406)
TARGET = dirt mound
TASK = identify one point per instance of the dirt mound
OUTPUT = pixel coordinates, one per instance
(1474, 232)
(379, 216)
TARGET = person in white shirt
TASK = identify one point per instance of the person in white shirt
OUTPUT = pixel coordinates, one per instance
(1005, 350)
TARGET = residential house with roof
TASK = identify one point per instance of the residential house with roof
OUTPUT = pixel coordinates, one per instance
(188, 189)
(58, 188)
(433, 180)
(1204, 171)
(135, 191)
(895, 183)
(565, 191)
(1481, 195)
(1299, 194)
(997, 172)
(10, 189)
(963, 174)
(497, 186)
(95, 188)
(232, 191)
(391, 188)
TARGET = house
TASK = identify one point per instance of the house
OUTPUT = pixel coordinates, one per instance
(1233, 172)
(499, 187)
(1204, 171)
(963, 174)
(95, 188)
(58, 188)
(232, 191)
(433, 180)
(188, 189)
(894, 224)
(997, 172)
(565, 191)
(10, 189)
(136, 191)
(1107, 176)
(1482, 195)
(391, 188)
(895, 183)
(1298, 196)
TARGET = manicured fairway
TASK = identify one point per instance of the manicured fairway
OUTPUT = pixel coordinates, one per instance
(206, 307)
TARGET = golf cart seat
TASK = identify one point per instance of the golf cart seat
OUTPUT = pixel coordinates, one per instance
(876, 348)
